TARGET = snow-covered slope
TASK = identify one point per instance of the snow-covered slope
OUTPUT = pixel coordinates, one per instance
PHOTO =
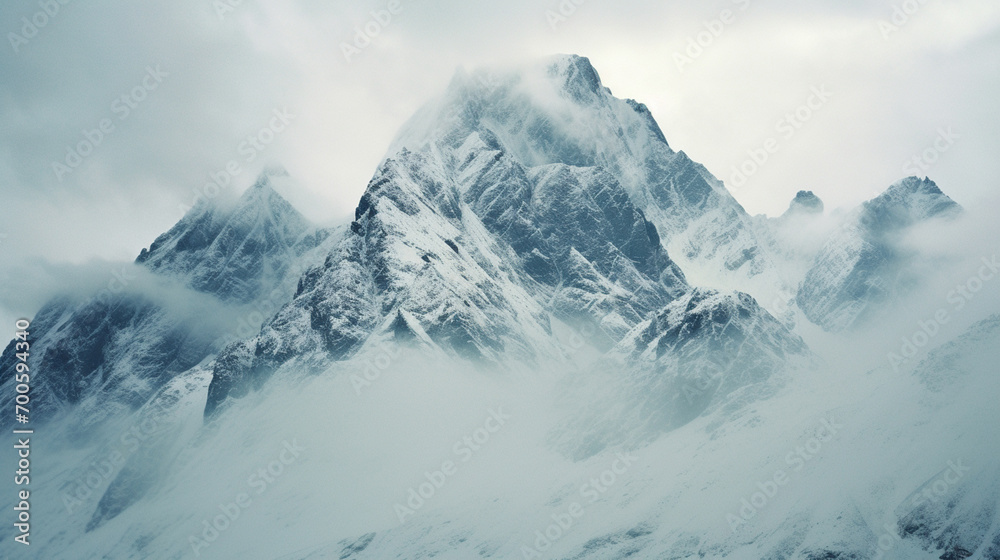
(109, 355)
(703, 351)
(862, 265)
(835, 463)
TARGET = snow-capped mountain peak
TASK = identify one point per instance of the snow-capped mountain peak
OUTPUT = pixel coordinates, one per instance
(805, 202)
(233, 249)
(906, 202)
(862, 266)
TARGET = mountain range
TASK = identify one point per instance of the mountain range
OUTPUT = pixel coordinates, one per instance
(526, 221)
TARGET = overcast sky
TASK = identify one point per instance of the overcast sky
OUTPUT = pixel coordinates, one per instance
(200, 76)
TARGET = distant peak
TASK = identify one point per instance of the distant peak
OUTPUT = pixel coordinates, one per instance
(807, 198)
(262, 196)
(805, 202)
(911, 191)
(908, 201)
(913, 185)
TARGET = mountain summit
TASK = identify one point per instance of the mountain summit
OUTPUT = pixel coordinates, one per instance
(557, 111)
(805, 202)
